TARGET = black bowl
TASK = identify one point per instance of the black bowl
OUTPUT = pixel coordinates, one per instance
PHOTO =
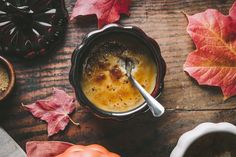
(134, 38)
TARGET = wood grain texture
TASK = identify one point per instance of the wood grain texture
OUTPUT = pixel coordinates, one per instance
(188, 103)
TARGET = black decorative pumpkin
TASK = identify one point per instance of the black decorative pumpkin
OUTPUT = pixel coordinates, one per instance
(31, 27)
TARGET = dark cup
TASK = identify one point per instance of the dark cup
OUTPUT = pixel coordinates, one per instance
(134, 38)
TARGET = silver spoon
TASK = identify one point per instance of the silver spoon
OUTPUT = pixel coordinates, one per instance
(156, 108)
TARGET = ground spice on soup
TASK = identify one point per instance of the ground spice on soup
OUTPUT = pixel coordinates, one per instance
(4, 79)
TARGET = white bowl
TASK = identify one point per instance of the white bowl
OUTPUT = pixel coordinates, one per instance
(190, 137)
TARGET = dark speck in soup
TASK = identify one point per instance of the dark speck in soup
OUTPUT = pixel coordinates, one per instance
(100, 77)
(213, 145)
(116, 72)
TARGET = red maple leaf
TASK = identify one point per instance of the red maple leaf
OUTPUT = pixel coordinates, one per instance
(46, 148)
(54, 111)
(214, 61)
(107, 11)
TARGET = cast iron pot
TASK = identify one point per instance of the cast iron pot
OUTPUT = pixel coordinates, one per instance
(134, 38)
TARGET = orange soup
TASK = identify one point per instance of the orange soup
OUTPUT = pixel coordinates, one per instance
(104, 81)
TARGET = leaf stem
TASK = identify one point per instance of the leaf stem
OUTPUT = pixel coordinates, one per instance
(73, 121)
(185, 14)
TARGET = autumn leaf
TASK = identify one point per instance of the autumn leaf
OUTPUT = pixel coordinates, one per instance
(107, 11)
(54, 111)
(213, 62)
(46, 148)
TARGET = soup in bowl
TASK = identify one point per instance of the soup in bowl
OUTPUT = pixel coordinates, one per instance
(98, 71)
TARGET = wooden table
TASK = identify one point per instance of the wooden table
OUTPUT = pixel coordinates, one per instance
(188, 103)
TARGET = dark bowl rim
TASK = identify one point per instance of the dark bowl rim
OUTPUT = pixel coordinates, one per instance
(131, 30)
(12, 78)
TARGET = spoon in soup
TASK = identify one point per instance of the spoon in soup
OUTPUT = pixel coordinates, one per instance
(156, 108)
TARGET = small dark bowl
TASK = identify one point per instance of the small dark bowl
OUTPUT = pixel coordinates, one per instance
(134, 38)
(11, 73)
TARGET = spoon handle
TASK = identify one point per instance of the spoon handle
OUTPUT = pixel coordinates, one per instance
(156, 108)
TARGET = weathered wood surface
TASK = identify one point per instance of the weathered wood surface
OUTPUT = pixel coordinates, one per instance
(144, 136)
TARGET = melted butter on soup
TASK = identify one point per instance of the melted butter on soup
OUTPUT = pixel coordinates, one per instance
(105, 84)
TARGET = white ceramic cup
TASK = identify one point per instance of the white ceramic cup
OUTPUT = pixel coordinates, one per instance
(191, 136)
